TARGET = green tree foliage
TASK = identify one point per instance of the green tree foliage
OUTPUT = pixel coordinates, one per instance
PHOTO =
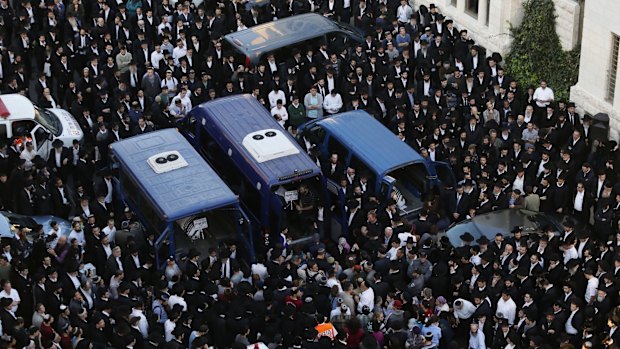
(536, 52)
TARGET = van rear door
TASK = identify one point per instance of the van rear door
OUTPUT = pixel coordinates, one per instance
(444, 174)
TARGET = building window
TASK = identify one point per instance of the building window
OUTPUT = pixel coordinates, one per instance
(453, 3)
(613, 68)
(488, 12)
(471, 7)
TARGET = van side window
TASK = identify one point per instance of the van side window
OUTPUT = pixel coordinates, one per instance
(23, 126)
(361, 168)
(333, 146)
(3, 134)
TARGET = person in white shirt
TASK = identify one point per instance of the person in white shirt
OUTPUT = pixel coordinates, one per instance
(276, 95)
(261, 270)
(404, 12)
(391, 254)
(476, 338)
(171, 82)
(169, 327)
(184, 96)
(28, 155)
(579, 210)
(177, 109)
(570, 252)
(110, 230)
(77, 233)
(177, 299)
(156, 56)
(10, 292)
(280, 113)
(343, 309)
(332, 102)
(543, 95)
(143, 324)
(367, 297)
(592, 288)
(404, 236)
(55, 230)
(164, 24)
(463, 309)
(178, 52)
(507, 308)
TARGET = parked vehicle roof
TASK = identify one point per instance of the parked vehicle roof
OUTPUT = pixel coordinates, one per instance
(266, 37)
(275, 158)
(177, 193)
(370, 140)
(16, 107)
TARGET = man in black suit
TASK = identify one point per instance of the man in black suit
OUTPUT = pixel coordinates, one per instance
(333, 169)
(23, 284)
(101, 210)
(356, 216)
(380, 287)
(216, 26)
(474, 132)
(498, 198)
(63, 73)
(574, 322)
(7, 316)
(59, 160)
(459, 204)
(25, 199)
(546, 194)
(132, 264)
(562, 197)
(225, 266)
(485, 205)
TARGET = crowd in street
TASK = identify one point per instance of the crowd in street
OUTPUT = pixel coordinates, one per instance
(123, 68)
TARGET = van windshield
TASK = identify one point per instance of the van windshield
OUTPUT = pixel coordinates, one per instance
(48, 120)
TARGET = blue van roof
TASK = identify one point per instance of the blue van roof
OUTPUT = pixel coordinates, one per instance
(369, 139)
(179, 193)
(260, 39)
(232, 118)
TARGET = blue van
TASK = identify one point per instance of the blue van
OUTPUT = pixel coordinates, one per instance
(394, 169)
(176, 194)
(259, 160)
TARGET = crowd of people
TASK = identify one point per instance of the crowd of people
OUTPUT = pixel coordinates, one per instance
(123, 68)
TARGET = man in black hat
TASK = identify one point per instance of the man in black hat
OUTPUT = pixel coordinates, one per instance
(466, 240)
(551, 326)
(7, 317)
(25, 198)
(498, 198)
(193, 256)
(59, 161)
(132, 264)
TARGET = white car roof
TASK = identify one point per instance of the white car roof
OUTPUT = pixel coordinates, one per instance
(16, 107)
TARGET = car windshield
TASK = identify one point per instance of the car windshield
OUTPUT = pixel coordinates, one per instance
(48, 120)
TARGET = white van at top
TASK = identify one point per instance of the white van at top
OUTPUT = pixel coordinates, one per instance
(18, 116)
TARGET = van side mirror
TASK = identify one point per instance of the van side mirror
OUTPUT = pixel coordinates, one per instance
(50, 136)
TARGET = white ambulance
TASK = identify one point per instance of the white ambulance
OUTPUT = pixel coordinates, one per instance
(19, 117)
